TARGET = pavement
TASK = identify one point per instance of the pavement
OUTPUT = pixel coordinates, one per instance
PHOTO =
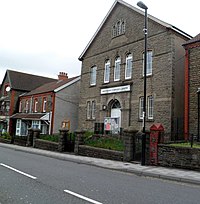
(178, 175)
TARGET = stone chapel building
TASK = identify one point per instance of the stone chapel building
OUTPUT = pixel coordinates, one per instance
(112, 72)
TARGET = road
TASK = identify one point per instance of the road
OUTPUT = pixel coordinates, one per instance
(34, 179)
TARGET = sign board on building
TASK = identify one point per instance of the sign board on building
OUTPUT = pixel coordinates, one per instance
(117, 89)
(111, 125)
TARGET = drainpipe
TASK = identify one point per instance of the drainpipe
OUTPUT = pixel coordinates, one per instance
(186, 112)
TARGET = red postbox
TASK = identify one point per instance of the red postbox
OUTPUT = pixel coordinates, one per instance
(156, 137)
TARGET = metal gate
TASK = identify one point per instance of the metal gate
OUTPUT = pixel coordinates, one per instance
(70, 142)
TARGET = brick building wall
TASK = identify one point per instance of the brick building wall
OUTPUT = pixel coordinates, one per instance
(194, 84)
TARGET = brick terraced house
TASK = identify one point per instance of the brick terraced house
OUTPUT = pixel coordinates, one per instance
(112, 72)
(192, 87)
(14, 84)
(47, 106)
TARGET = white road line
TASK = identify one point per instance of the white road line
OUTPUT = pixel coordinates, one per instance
(20, 172)
(82, 197)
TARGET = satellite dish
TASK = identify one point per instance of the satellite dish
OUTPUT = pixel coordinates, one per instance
(7, 88)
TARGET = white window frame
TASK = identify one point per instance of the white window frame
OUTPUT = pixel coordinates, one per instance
(93, 111)
(149, 63)
(88, 110)
(117, 69)
(18, 127)
(93, 75)
(44, 128)
(129, 65)
(150, 102)
(36, 124)
(141, 104)
(107, 72)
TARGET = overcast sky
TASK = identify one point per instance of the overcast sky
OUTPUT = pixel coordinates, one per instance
(44, 37)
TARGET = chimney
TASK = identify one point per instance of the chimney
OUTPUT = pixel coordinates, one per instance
(62, 76)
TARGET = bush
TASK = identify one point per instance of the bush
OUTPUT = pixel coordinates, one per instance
(111, 143)
(88, 135)
(6, 136)
(52, 138)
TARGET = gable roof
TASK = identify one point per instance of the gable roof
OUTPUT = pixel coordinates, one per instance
(25, 82)
(52, 86)
(169, 26)
(193, 40)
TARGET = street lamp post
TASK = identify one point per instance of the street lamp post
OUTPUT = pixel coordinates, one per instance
(143, 6)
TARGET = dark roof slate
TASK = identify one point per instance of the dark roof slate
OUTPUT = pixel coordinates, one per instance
(26, 82)
(28, 116)
(49, 87)
(193, 40)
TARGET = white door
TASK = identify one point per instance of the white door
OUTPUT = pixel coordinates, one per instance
(116, 115)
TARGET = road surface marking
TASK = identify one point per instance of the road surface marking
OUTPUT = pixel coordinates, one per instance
(82, 197)
(20, 172)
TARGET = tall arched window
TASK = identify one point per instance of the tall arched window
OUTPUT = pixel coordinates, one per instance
(107, 71)
(123, 27)
(93, 73)
(36, 105)
(118, 28)
(117, 69)
(128, 68)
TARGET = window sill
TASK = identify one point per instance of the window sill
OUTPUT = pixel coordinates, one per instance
(147, 76)
(91, 86)
(90, 119)
(147, 120)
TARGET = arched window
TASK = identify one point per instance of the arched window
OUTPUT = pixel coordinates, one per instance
(117, 69)
(123, 27)
(118, 28)
(27, 106)
(128, 68)
(93, 73)
(114, 31)
(36, 105)
(107, 71)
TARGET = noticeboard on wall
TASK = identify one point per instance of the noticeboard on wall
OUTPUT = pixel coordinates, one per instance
(111, 125)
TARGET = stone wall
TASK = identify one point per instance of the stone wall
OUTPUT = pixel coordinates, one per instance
(5, 141)
(100, 153)
(46, 145)
(179, 157)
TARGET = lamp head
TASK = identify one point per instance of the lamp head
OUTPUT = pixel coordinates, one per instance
(142, 5)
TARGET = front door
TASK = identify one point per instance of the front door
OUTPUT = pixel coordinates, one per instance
(116, 117)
